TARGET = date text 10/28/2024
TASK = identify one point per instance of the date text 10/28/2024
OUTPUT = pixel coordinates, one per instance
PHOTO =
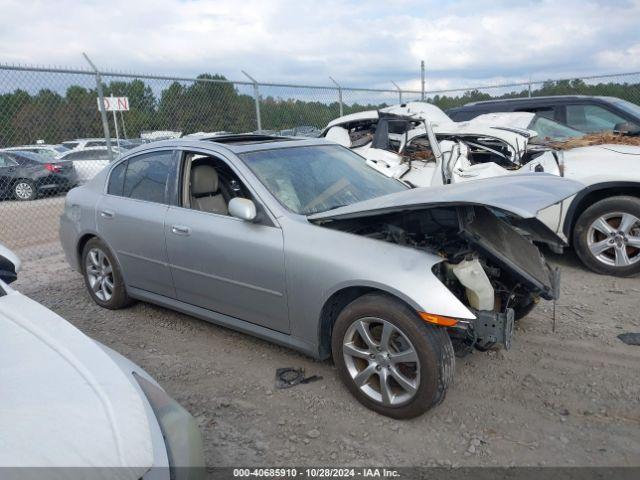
(316, 472)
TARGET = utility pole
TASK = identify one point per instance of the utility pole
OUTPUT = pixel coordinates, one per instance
(399, 91)
(422, 77)
(115, 123)
(103, 112)
(124, 129)
(256, 97)
(339, 94)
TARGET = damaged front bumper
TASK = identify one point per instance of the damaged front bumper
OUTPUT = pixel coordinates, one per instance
(496, 328)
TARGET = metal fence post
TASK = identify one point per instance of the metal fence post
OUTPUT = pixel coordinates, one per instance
(422, 79)
(103, 112)
(339, 95)
(399, 91)
(256, 96)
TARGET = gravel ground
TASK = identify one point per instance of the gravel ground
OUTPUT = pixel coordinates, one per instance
(566, 398)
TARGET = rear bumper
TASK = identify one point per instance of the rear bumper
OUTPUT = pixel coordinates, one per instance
(61, 182)
(68, 238)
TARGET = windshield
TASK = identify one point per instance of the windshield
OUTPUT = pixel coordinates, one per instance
(548, 129)
(315, 179)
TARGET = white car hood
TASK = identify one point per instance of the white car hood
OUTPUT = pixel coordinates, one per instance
(622, 149)
(511, 135)
(64, 402)
(503, 119)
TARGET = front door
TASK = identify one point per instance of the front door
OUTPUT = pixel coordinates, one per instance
(225, 264)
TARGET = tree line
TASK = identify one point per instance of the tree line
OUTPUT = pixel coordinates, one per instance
(210, 106)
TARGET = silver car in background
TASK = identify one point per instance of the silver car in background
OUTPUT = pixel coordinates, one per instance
(301, 243)
(89, 161)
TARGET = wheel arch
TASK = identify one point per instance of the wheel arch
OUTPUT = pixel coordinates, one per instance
(82, 241)
(335, 304)
(592, 194)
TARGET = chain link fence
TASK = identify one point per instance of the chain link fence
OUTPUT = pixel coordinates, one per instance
(53, 135)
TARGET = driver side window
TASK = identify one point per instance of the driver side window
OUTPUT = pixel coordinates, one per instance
(209, 184)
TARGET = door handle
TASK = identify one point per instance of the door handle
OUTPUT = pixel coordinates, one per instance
(107, 214)
(180, 230)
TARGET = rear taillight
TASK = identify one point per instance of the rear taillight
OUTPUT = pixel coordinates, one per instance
(52, 168)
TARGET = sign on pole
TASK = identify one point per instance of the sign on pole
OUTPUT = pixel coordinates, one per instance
(115, 104)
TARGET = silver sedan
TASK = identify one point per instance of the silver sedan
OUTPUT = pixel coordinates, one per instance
(301, 243)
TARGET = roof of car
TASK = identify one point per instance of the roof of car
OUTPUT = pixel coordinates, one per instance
(238, 143)
(38, 145)
(538, 99)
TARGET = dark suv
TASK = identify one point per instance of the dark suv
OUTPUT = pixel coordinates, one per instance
(587, 114)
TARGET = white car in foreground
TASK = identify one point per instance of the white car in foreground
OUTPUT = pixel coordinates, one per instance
(419, 144)
(67, 401)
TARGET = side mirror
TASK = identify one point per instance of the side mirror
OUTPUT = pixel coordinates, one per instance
(242, 208)
(9, 265)
(625, 127)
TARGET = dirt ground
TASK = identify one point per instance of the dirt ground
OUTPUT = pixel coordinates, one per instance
(566, 398)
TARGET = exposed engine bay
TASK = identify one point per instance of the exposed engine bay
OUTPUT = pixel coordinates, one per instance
(488, 265)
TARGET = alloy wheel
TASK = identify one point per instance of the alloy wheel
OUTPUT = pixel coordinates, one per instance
(23, 190)
(99, 272)
(381, 361)
(614, 239)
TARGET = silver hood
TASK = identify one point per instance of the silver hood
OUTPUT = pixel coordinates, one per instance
(522, 195)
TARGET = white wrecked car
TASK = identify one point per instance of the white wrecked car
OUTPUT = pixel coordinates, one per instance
(71, 407)
(418, 143)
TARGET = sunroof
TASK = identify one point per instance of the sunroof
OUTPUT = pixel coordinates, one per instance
(246, 139)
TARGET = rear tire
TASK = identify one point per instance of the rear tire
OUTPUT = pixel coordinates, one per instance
(606, 236)
(415, 382)
(24, 190)
(102, 276)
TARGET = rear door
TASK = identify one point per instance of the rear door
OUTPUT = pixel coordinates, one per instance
(131, 217)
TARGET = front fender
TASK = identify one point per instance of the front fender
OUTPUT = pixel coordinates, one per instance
(320, 262)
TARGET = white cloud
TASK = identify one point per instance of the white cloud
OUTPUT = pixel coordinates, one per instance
(366, 44)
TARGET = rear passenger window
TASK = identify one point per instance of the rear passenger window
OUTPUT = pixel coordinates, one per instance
(116, 179)
(147, 175)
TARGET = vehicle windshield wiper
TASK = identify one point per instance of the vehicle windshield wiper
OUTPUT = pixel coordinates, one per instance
(334, 207)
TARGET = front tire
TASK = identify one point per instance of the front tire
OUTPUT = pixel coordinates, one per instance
(606, 237)
(390, 360)
(102, 276)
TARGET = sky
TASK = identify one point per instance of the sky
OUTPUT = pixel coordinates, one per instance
(366, 44)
